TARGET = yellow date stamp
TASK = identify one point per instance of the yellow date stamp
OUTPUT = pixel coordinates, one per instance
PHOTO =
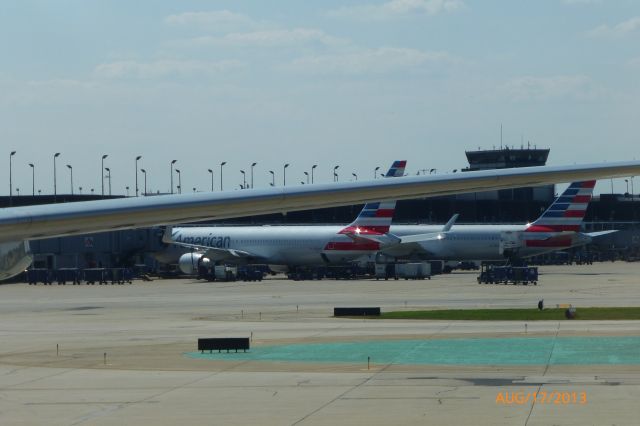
(541, 397)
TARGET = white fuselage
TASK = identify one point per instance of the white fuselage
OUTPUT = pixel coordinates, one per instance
(314, 245)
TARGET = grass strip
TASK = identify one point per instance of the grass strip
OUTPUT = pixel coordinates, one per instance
(554, 314)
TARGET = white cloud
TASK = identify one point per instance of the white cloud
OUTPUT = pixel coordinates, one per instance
(529, 88)
(397, 8)
(267, 38)
(377, 61)
(163, 68)
(210, 19)
(620, 30)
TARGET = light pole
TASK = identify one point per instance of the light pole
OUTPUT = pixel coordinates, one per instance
(127, 190)
(375, 172)
(55, 189)
(11, 179)
(137, 158)
(179, 181)
(144, 172)
(627, 182)
(273, 178)
(109, 178)
(102, 172)
(307, 175)
(211, 171)
(71, 171)
(335, 173)
(244, 179)
(252, 166)
(33, 179)
(312, 168)
(221, 164)
(284, 174)
(355, 176)
(433, 171)
(172, 163)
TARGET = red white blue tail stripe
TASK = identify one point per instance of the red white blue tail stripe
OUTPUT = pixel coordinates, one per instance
(375, 218)
(567, 211)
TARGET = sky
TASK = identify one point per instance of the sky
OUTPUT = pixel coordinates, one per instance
(350, 83)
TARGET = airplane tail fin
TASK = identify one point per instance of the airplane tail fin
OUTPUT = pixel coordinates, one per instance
(567, 211)
(375, 218)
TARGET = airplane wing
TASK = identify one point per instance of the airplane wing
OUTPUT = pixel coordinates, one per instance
(416, 238)
(50, 220)
(600, 233)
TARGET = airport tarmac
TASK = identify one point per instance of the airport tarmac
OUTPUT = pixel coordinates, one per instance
(123, 354)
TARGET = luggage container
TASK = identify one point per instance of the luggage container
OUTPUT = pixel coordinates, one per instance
(414, 271)
(64, 275)
(225, 273)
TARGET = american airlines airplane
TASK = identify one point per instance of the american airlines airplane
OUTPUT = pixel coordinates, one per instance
(291, 246)
(371, 237)
(18, 225)
(556, 229)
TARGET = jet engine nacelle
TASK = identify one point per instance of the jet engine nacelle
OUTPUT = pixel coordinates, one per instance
(190, 262)
(14, 258)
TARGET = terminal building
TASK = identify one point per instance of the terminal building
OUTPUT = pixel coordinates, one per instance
(521, 205)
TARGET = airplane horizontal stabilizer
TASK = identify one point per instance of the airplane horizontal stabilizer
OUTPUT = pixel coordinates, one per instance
(600, 233)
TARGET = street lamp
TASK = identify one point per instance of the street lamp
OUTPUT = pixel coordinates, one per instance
(284, 174)
(244, 179)
(109, 179)
(71, 171)
(312, 168)
(33, 179)
(127, 190)
(273, 178)
(179, 181)
(55, 189)
(335, 173)
(627, 182)
(252, 166)
(211, 171)
(172, 163)
(355, 176)
(375, 172)
(144, 172)
(102, 172)
(11, 179)
(433, 171)
(137, 158)
(221, 164)
(307, 175)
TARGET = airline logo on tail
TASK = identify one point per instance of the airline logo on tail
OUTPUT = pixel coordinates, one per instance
(375, 218)
(567, 211)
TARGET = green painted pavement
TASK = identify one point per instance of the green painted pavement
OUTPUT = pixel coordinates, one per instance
(481, 351)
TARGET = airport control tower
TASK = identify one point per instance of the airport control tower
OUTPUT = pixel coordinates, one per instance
(508, 157)
(505, 158)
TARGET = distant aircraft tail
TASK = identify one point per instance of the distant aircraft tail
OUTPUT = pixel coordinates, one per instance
(567, 211)
(375, 218)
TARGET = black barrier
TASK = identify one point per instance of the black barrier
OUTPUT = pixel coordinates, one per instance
(356, 312)
(223, 343)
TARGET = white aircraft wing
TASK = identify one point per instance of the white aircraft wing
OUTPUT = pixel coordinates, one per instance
(43, 221)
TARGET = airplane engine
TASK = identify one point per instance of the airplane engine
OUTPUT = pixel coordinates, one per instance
(14, 258)
(190, 262)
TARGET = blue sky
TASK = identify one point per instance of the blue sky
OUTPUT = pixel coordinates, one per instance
(354, 83)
